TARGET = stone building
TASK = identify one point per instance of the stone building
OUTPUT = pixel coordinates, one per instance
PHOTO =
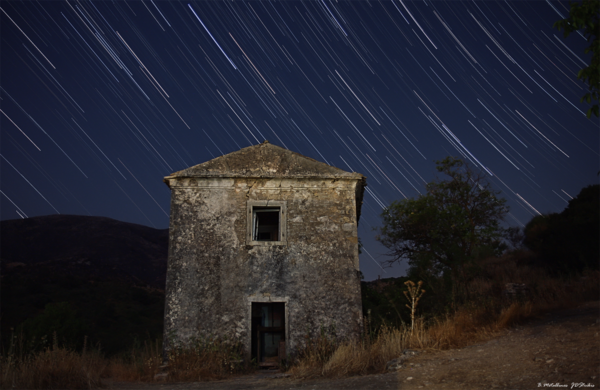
(263, 249)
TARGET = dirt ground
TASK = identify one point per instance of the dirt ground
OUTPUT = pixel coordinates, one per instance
(558, 350)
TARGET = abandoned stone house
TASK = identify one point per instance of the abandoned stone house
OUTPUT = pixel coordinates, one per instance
(263, 249)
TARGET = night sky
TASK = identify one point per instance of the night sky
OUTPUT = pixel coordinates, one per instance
(100, 100)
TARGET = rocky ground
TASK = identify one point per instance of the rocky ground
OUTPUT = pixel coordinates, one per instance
(558, 350)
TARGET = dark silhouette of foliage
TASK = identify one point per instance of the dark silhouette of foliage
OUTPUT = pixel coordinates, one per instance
(585, 16)
(384, 303)
(515, 237)
(58, 323)
(454, 223)
(569, 241)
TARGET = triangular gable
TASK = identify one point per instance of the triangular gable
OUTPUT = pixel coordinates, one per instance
(265, 160)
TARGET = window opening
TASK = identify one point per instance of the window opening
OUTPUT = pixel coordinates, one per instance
(266, 223)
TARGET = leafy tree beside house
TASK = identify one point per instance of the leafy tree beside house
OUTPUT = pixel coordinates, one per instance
(442, 232)
(585, 16)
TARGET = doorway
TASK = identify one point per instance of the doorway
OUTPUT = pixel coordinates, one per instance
(268, 333)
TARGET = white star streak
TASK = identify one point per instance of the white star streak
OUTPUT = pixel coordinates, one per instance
(411, 167)
(333, 17)
(251, 63)
(28, 38)
(150, 12)
(401, 12)
(243, 112)
(213, 38)
(401, 132)
(11, 121)
(398, 169)
(456, 39)
(541, 134)
(527, 203)
(28, 182)
(506, 67)
(417, 23)
(89, 47)
(379, 202)
(376, 121)
(161, 14)
(135, 204)
(105, 156)
(56, 81)
(348, 119)
(140, 62)
(566, 193)
(507, 159)
(313, 145)
(562, 43)
(18, 208)
(556, 193)
(149, 143)
(250, 131)
(367, 252)
(501, 122)
(355, 156)
(159, 206)
(515, 12)
(44, 131)
(386, 176)
(452, 92)
(563, 96)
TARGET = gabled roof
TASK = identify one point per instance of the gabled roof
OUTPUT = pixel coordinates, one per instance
(265, 161)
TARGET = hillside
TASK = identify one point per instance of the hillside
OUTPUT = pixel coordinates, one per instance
(81, 245)
(109, 274)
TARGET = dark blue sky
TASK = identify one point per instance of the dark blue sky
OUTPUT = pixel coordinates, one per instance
(101, 100)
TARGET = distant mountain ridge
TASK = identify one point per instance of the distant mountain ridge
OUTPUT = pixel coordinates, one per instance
(99, 247)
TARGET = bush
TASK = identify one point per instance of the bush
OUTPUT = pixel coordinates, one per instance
(568, 241)
(59, 320)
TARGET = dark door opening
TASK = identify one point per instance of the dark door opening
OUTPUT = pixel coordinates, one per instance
(268, 333)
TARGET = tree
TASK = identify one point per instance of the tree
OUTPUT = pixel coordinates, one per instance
(455, 222)
(585, 16)
(568, 241)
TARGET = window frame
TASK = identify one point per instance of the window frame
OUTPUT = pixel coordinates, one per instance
(282, 205)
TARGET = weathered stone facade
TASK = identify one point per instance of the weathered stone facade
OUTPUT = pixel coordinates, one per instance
(222, 265)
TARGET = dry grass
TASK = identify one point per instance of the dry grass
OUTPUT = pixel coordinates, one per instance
(53, 368)
(140, 365)
(464, 327)
(62, 368)
(190, 365)
(484, 317)
(206, 361)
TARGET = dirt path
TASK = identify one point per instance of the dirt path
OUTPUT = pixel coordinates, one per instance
(559, 350)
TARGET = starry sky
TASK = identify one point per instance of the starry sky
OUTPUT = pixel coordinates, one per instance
(102, 99)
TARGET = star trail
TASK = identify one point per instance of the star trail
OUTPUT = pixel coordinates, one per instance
(100, 100)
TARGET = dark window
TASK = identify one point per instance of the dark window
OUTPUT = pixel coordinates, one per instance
(266, 226)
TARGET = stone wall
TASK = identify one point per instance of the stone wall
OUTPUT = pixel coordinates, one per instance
(214, 274)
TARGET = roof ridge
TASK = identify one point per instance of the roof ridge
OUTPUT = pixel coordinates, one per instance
(265, 160)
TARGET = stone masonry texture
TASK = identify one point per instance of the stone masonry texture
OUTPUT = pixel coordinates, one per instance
(215, 270)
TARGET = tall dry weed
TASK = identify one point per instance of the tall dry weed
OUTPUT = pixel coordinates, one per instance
(487, 313)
